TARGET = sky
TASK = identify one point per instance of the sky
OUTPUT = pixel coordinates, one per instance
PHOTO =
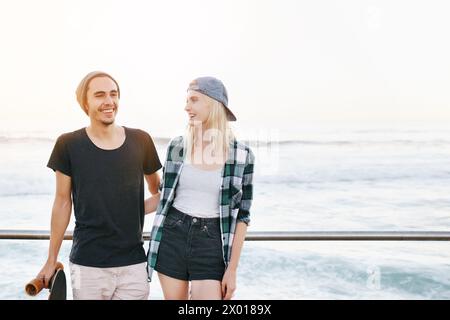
(286, 64)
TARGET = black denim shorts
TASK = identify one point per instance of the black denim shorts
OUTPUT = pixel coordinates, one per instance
(190, 248)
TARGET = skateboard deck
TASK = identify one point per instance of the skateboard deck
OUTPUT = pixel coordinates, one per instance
(57, 285)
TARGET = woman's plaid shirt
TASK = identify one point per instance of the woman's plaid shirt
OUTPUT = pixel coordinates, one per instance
(236, 194)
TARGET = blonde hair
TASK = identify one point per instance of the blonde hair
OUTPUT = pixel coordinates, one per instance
(217, 130)
(83, 87)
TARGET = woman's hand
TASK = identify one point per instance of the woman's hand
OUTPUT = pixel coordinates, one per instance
(228, 283)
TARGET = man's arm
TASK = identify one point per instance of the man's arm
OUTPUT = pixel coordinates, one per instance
(153, 182)
(62, 208)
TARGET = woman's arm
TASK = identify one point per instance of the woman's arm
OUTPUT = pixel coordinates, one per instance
(229, 278)
(243, 220)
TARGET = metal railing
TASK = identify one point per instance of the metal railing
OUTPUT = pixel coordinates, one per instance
(277, 235)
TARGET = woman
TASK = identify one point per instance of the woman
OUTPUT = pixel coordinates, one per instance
(206, 193)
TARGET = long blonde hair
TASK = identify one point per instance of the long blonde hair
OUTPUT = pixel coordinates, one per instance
(217, 130)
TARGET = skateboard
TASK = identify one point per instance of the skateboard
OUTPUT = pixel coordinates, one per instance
(57, 285)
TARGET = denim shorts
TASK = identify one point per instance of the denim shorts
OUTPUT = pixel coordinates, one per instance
(190, 248)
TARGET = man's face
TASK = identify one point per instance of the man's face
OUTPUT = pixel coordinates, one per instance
(102, 100)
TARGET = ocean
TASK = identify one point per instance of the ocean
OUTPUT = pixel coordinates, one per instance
(340, 180)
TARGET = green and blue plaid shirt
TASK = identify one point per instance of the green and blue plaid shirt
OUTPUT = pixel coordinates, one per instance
(236, 194)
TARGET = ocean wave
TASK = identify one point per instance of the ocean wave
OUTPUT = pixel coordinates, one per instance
(23, 184)
(31, 139)
(24, 139)
(304, 271)
(329, 273)
(265, 142)
(322, 179)
(23, 194)
(435, 142)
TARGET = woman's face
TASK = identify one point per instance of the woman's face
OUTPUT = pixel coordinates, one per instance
(197, 107)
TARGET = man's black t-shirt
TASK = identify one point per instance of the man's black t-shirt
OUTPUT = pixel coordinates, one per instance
(108, 196)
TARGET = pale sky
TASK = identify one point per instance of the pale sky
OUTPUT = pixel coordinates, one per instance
(284, 62)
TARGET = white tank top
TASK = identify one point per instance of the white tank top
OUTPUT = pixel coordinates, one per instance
(198, 192)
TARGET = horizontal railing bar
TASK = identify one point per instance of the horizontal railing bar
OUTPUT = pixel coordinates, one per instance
(277, 235)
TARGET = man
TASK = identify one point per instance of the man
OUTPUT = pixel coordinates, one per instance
(101, 170)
